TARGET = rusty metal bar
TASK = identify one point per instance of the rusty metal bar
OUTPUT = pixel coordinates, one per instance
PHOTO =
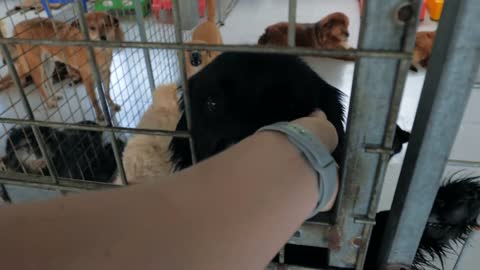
(143, 38)
(36, 132)
(183, 74)
(447, 87)
(98, 79)
(160, 132)
(377, 53)
(378, 85)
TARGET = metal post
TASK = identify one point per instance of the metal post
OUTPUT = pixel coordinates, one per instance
(292, 14)
(446, 90)
(36, 131)
(378, 85)
(103, 100)
(143, 38)
(183, 74)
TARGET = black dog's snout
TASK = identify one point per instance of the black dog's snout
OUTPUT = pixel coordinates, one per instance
(195, 59)
(103, 37)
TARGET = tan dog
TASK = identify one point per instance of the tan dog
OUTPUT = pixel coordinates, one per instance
(330, 32)
(205, 33)
(38, 61)
(147, 155)
(423, 49)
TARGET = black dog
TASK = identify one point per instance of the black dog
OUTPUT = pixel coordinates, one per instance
(238, 93)
(451, 220)
(75, 154)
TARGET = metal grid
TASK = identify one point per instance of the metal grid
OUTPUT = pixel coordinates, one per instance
(382, 65)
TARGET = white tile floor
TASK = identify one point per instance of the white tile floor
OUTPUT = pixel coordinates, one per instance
(244, 25)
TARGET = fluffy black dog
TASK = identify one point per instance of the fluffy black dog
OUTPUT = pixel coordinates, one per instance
(75, 154)
(238, 93)
(453, 217)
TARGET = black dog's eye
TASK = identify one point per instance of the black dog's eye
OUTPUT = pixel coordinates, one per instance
(211, 104)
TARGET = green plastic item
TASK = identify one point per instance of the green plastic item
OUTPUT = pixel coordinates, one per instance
(122, 5)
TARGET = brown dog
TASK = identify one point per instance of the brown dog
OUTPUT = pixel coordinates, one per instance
(38, 61)
(423, 49)
(205, 33)
(330, 32)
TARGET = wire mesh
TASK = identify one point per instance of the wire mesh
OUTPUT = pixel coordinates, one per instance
(151, 54)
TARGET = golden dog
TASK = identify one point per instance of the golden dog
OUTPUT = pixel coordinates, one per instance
(423, 49)
(205, 33)
(38, 61)
(147, 155)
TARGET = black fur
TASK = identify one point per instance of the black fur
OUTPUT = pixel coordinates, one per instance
(238, 93)
(75, 154)
(453, 217)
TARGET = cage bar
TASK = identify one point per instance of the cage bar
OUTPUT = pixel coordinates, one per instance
(101, 94)
(303, 51)
(446, 90)
(36, 132)
(183, 73)
(143, 38)
(377, 85)
(292, 14)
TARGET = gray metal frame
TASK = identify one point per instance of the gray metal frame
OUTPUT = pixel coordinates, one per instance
(386, 41)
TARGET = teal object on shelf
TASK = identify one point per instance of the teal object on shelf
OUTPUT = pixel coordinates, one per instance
(122, 5)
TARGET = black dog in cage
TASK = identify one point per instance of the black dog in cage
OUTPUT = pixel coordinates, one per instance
(75, 154)
(453, 217)
(238, 93)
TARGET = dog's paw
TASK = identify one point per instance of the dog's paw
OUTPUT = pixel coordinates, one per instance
(115, 107)
(38, 165)
(52, 103)
(100, 118)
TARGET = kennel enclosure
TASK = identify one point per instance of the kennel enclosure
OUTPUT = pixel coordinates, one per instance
(383, 58)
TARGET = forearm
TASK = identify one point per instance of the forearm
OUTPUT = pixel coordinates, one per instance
(234, 210)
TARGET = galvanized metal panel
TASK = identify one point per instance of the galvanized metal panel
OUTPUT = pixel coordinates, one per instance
(447, 87)
(378, 86)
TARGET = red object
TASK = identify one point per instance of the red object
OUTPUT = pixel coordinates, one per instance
(422, 10)
(158, 5)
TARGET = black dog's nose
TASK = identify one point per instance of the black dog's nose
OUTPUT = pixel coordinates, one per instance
(103, 37)
(195, 59)
(347, 34)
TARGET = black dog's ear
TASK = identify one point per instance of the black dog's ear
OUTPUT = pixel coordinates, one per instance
(402, 135)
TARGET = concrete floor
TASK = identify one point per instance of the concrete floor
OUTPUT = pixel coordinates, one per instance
(244, 25)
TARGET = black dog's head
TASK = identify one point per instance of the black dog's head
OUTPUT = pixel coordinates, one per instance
(238, 93)
(454, 215)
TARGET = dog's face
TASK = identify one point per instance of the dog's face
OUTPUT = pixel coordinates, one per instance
(102, 26)
(238, 93)
(195, 60)
(23, 152)
(332, 31)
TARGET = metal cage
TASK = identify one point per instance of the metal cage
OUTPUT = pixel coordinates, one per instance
(386, 41)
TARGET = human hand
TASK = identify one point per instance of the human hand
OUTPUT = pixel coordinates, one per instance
(318, 124)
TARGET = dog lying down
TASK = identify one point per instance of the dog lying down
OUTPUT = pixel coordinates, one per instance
(453, 217)
(75, 154)
(148, 155)
(238, 93)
